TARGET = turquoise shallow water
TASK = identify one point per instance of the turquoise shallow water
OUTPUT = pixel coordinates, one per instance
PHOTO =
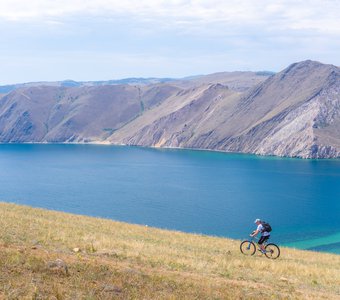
(193, 191)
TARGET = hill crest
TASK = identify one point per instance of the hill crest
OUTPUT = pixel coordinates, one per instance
(292, 113)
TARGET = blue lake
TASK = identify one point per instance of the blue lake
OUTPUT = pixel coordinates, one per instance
(194, 191)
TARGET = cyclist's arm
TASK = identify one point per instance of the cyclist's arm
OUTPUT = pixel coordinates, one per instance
(254, 233)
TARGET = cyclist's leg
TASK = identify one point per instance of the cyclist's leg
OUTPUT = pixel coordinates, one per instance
(261, 242)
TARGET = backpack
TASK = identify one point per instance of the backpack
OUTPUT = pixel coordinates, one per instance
(266, 227)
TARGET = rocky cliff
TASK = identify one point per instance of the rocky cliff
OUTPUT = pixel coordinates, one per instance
(292, 113)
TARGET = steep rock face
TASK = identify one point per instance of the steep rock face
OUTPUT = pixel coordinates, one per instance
(303, 131)
(175, 122)
(307, 98)
(293, 113)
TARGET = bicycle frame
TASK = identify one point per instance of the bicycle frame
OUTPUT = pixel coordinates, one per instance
(255, 239)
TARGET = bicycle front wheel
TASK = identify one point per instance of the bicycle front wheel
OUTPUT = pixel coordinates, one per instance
(247, 248)
(272, 251)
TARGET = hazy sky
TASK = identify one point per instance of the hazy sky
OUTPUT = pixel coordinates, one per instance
(108, 39)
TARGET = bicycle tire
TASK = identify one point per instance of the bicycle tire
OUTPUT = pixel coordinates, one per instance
(248, 248)
(272, 251)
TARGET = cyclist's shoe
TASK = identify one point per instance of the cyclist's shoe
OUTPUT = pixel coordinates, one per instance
(262, 251)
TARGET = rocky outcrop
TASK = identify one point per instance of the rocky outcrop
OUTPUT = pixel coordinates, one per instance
(294, 113)
(301, 120)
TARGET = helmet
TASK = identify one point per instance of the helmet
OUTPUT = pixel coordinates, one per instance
(257, 220)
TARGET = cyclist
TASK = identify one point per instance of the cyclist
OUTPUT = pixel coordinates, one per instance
(265, 235)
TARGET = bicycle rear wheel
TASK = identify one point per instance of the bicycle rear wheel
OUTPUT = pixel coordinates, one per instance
(272, 251)
(247, 248)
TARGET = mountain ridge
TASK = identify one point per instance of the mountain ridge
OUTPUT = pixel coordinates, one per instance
(294, 113)
(4, 89)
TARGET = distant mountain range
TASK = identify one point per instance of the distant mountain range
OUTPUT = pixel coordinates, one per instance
(4, 89)
(72, 83)
(294, 113)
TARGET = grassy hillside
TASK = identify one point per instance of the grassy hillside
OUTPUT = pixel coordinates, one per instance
(123, 261)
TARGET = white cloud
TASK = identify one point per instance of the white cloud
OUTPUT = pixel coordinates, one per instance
(51, 39)
(322, 16)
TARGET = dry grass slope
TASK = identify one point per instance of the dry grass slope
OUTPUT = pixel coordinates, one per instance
(124, 261)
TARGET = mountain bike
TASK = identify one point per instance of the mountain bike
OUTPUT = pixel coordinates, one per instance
(248, 247)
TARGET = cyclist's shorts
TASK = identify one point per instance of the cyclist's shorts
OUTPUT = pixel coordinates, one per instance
(263, 239)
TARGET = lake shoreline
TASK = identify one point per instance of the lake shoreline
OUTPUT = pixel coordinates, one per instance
(104, 143)
(207, 192)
